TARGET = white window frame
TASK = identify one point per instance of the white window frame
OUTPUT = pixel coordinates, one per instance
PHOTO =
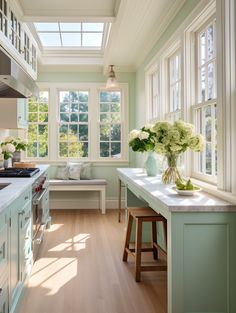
(93, 88)
(201, 21)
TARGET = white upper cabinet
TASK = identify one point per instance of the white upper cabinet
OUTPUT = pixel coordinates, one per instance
(16, 38)
(13, 113)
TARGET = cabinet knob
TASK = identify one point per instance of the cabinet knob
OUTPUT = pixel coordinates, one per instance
(0, 291)
(27, 218)
(26, 198)
(21, 212)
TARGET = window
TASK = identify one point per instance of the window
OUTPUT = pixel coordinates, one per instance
(38, 126)
(174, 87)
(154, 106)
(110, 124)
(205, 109)
(78, 35)
(73, 126)
(84, 122)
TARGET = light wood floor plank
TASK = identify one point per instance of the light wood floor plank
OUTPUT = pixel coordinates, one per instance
(80, 270)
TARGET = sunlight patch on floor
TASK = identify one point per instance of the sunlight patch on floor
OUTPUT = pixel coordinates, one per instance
(61, 270)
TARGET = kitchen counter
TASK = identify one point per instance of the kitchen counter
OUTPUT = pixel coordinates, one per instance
(201, 243)
(17, 186)
(152, 189)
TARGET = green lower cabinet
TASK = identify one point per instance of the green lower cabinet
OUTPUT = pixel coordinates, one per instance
(203, 262)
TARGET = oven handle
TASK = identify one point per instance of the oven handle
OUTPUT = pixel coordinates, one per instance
(37, 200)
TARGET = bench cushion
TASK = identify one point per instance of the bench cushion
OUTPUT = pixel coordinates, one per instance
(59, 182)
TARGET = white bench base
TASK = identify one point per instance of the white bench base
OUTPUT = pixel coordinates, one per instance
(82, 185)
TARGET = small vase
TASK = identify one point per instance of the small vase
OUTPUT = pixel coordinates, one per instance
(16, 157)
(7, 163)
(171, 174)
(151, 164)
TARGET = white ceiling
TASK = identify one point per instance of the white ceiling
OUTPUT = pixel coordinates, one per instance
(136, 25)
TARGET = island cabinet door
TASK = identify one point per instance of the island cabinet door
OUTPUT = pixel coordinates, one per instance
(202, 260)
(14, 253)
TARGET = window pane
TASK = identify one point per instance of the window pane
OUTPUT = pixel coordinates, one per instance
(115, 132)
(92, 39)
(46, 26)
(202, 48)
(50, 39)
(104, 132)
(63, 149)
(70, 27)
(83, 107)
(64, 117)
(83, 132)
(71, 39)
(115, 149)
(104, 149)
(203, 85)
(104, 107)
(93, 27)
(74, 117)
(210, 81)
(208, 159)
(210, 43)
(83, 118)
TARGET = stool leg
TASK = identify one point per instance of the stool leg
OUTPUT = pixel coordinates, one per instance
(154, 240)
(138, 249)
(127, 238)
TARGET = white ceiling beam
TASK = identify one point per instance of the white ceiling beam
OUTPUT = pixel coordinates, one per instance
(71, 19)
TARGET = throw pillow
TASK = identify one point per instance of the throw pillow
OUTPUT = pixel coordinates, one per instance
(74, 170)
(62, 172)
(86, 171)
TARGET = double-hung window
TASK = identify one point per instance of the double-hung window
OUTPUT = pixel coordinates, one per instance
(154, 105)
(205, 108)
(110, 130)
(73, 128)
(37, 134)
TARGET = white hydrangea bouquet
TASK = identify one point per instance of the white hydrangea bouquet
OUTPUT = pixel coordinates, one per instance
(143, 139)
(11, 145)
(171, 141)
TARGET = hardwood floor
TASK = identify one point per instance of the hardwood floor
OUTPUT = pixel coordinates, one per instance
(80, 270)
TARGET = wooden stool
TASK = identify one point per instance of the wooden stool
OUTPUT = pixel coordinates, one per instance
(144, 215)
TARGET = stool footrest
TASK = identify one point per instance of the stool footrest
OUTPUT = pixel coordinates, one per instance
(142, 250)
(150, 268)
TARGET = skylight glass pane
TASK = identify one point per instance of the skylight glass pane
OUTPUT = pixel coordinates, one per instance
(88, 27)
(46, 27)
(50, 39)
(70, 27)
(92, 39)
(71, 39)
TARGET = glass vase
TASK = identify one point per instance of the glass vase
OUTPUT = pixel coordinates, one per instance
(151, 164)
(7, 163)
(171, 173)
(16, 157)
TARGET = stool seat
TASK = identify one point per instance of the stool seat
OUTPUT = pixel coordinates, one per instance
(144, 215)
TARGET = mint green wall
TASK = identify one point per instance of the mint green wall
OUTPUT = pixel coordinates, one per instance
(186, 9)
(107, 172)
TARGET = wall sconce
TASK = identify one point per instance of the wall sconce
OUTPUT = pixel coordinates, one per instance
(111, 80)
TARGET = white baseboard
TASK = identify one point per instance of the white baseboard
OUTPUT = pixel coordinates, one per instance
(83, 204)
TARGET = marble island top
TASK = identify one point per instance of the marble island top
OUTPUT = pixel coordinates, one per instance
(16, 186)
(152, 189)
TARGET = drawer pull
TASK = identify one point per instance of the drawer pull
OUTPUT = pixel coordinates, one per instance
(1, 252)
(21, 212)
(26, 198)
(1, 290)
(27, 218)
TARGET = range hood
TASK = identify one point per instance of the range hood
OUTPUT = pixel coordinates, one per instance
(14, 82)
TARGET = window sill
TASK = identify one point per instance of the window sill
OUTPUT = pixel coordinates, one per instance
(212, 189)
(100, 163)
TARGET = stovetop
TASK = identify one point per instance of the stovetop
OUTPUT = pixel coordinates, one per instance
(18, 172)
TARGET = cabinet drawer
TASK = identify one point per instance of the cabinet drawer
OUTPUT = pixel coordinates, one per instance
(4, 296)
(3, 251)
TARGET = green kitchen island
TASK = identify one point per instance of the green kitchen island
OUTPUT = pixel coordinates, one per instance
(201, 243)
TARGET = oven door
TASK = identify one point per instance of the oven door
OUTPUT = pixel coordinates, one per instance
(37, 217)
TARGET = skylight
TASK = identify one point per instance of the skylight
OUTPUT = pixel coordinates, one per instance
(71, 35)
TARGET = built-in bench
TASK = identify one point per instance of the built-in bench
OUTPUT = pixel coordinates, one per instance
(82, 185)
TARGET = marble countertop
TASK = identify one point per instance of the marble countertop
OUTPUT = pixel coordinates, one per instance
(151, 188)
(16, 186)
